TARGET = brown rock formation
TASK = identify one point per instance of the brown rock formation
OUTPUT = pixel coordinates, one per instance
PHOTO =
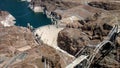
(37, 56)
(61, 4)
(14, 40)
(72, 40)
(106, 5)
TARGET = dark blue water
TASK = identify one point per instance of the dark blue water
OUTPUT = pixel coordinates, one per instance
(23, 13)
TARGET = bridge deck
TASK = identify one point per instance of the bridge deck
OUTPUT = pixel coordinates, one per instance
(77, 61)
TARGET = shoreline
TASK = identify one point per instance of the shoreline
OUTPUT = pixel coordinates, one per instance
(8, 20)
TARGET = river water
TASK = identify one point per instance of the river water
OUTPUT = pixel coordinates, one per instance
(23, 13)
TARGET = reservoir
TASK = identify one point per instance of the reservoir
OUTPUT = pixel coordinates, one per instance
(23, 14)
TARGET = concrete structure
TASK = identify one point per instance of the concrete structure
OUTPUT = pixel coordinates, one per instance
(48, 34)
(77, 61)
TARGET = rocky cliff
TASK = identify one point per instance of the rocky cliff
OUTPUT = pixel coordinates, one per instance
(18, 49)
(91, 31)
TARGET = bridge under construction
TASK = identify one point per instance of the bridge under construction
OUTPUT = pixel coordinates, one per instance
(85, 59)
